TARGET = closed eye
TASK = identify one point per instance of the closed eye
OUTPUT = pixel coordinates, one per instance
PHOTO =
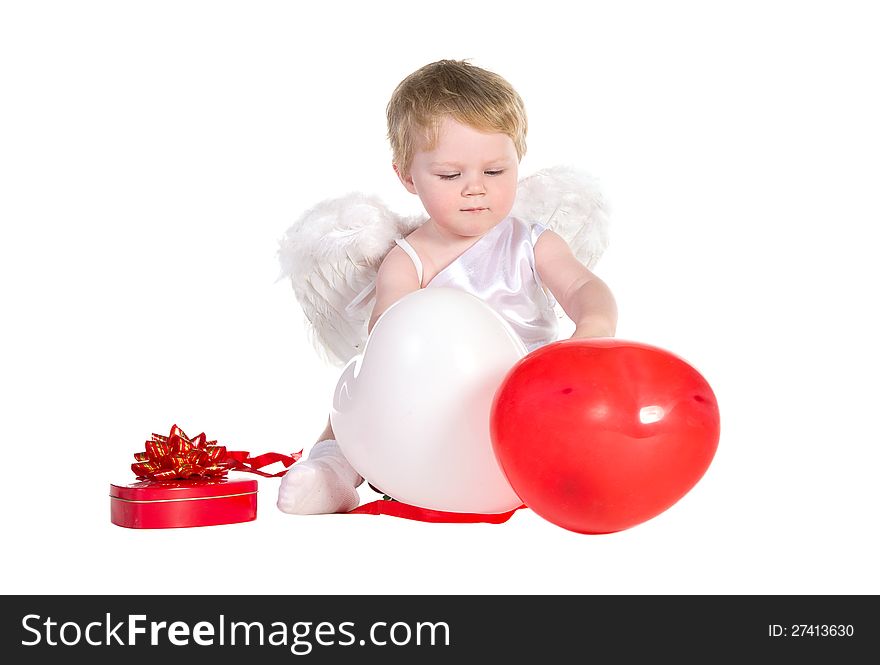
(453, 176)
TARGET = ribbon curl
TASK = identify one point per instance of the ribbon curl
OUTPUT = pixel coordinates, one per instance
(177, 456)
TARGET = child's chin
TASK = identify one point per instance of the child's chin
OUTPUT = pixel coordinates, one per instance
(476, 224)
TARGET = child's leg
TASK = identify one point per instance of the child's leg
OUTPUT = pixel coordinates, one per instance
(323, 483)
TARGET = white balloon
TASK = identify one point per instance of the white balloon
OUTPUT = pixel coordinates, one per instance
(411, 413)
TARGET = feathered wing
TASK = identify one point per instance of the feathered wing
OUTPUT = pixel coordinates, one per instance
(570, 202)
(331, 254)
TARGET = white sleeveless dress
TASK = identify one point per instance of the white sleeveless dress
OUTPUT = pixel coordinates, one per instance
(500, 270)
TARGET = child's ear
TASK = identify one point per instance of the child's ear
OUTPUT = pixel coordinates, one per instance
(406, 180)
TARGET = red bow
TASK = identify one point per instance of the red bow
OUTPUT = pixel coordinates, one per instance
(176, 456)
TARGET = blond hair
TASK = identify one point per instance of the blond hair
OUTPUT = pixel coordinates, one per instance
(451, 88)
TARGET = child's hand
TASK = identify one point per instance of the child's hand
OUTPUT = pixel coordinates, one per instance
(584, 297)
(593, 329)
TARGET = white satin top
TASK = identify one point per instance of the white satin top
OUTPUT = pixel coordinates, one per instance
(500, 270)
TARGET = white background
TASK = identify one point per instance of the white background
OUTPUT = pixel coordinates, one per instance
(152, 155)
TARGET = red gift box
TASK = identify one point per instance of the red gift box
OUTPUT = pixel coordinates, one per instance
(183, 482)
(166, 504)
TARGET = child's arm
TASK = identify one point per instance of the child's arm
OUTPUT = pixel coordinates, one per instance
(586, 299)
(396, 278)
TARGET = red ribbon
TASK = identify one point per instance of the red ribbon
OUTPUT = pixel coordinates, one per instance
(177, 456)
(407, 511)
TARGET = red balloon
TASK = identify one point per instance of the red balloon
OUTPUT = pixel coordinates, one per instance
(599, 435)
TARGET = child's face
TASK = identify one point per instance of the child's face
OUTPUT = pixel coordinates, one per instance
(468, 182)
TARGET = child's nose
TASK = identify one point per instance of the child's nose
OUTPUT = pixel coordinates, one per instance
(474, 185)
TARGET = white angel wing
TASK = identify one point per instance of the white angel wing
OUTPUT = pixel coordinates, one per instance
(331, 254)
(570, 202)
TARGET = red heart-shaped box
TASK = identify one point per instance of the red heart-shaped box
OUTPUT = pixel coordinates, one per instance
(166, 504)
